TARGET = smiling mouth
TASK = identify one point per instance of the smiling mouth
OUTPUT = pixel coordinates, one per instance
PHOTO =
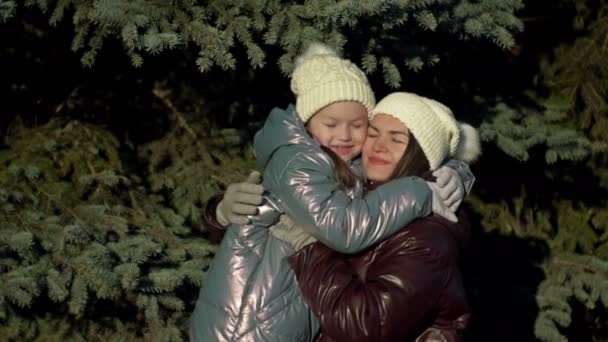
(342, 149)
(377, 161)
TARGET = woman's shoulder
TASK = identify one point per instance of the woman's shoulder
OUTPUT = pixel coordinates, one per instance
(439, 238)
(439, 227)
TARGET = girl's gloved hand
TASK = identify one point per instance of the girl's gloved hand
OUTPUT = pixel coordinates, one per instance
(241, 200)
(450, 187)
(439, 206)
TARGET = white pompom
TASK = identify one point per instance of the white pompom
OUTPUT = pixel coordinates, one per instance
(315, 49)
(469, 147)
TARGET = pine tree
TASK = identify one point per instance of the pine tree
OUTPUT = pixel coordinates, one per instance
(516, 129)
(219, 30)
(576, 271)
(570, 127)
(86, 248)
(7, 9)
(92, 245)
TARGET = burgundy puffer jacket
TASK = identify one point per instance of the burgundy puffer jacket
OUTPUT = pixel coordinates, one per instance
(408, 288)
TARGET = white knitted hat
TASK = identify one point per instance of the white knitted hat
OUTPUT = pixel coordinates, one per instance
(321, 78)
(434, 127)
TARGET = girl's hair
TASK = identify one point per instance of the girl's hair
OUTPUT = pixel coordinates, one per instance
(413, 162)
(344, 175)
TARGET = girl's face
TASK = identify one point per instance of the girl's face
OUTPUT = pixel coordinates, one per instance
(386, 141)
(342, 127)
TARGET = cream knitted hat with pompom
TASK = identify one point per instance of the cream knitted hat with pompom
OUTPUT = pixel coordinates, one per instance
(434, 127)
(321, 78)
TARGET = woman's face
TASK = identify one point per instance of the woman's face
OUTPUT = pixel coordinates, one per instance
(341, 126)
(387, 138)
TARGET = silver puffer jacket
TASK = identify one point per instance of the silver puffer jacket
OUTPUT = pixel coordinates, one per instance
(250, 292)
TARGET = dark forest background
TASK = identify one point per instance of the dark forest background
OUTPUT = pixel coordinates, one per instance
(120, 118)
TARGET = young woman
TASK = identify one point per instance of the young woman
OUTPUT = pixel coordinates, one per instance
(409, 287)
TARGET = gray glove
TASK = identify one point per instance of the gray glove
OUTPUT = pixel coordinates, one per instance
(292, 234)
(439, 206)
(240, 201)
(450, 187)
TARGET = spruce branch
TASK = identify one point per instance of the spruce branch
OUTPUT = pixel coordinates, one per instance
(560, 260)
(163, 95)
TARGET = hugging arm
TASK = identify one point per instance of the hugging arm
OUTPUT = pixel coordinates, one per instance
(311, 196)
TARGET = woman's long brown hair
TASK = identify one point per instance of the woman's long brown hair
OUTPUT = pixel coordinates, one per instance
(413, 162)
